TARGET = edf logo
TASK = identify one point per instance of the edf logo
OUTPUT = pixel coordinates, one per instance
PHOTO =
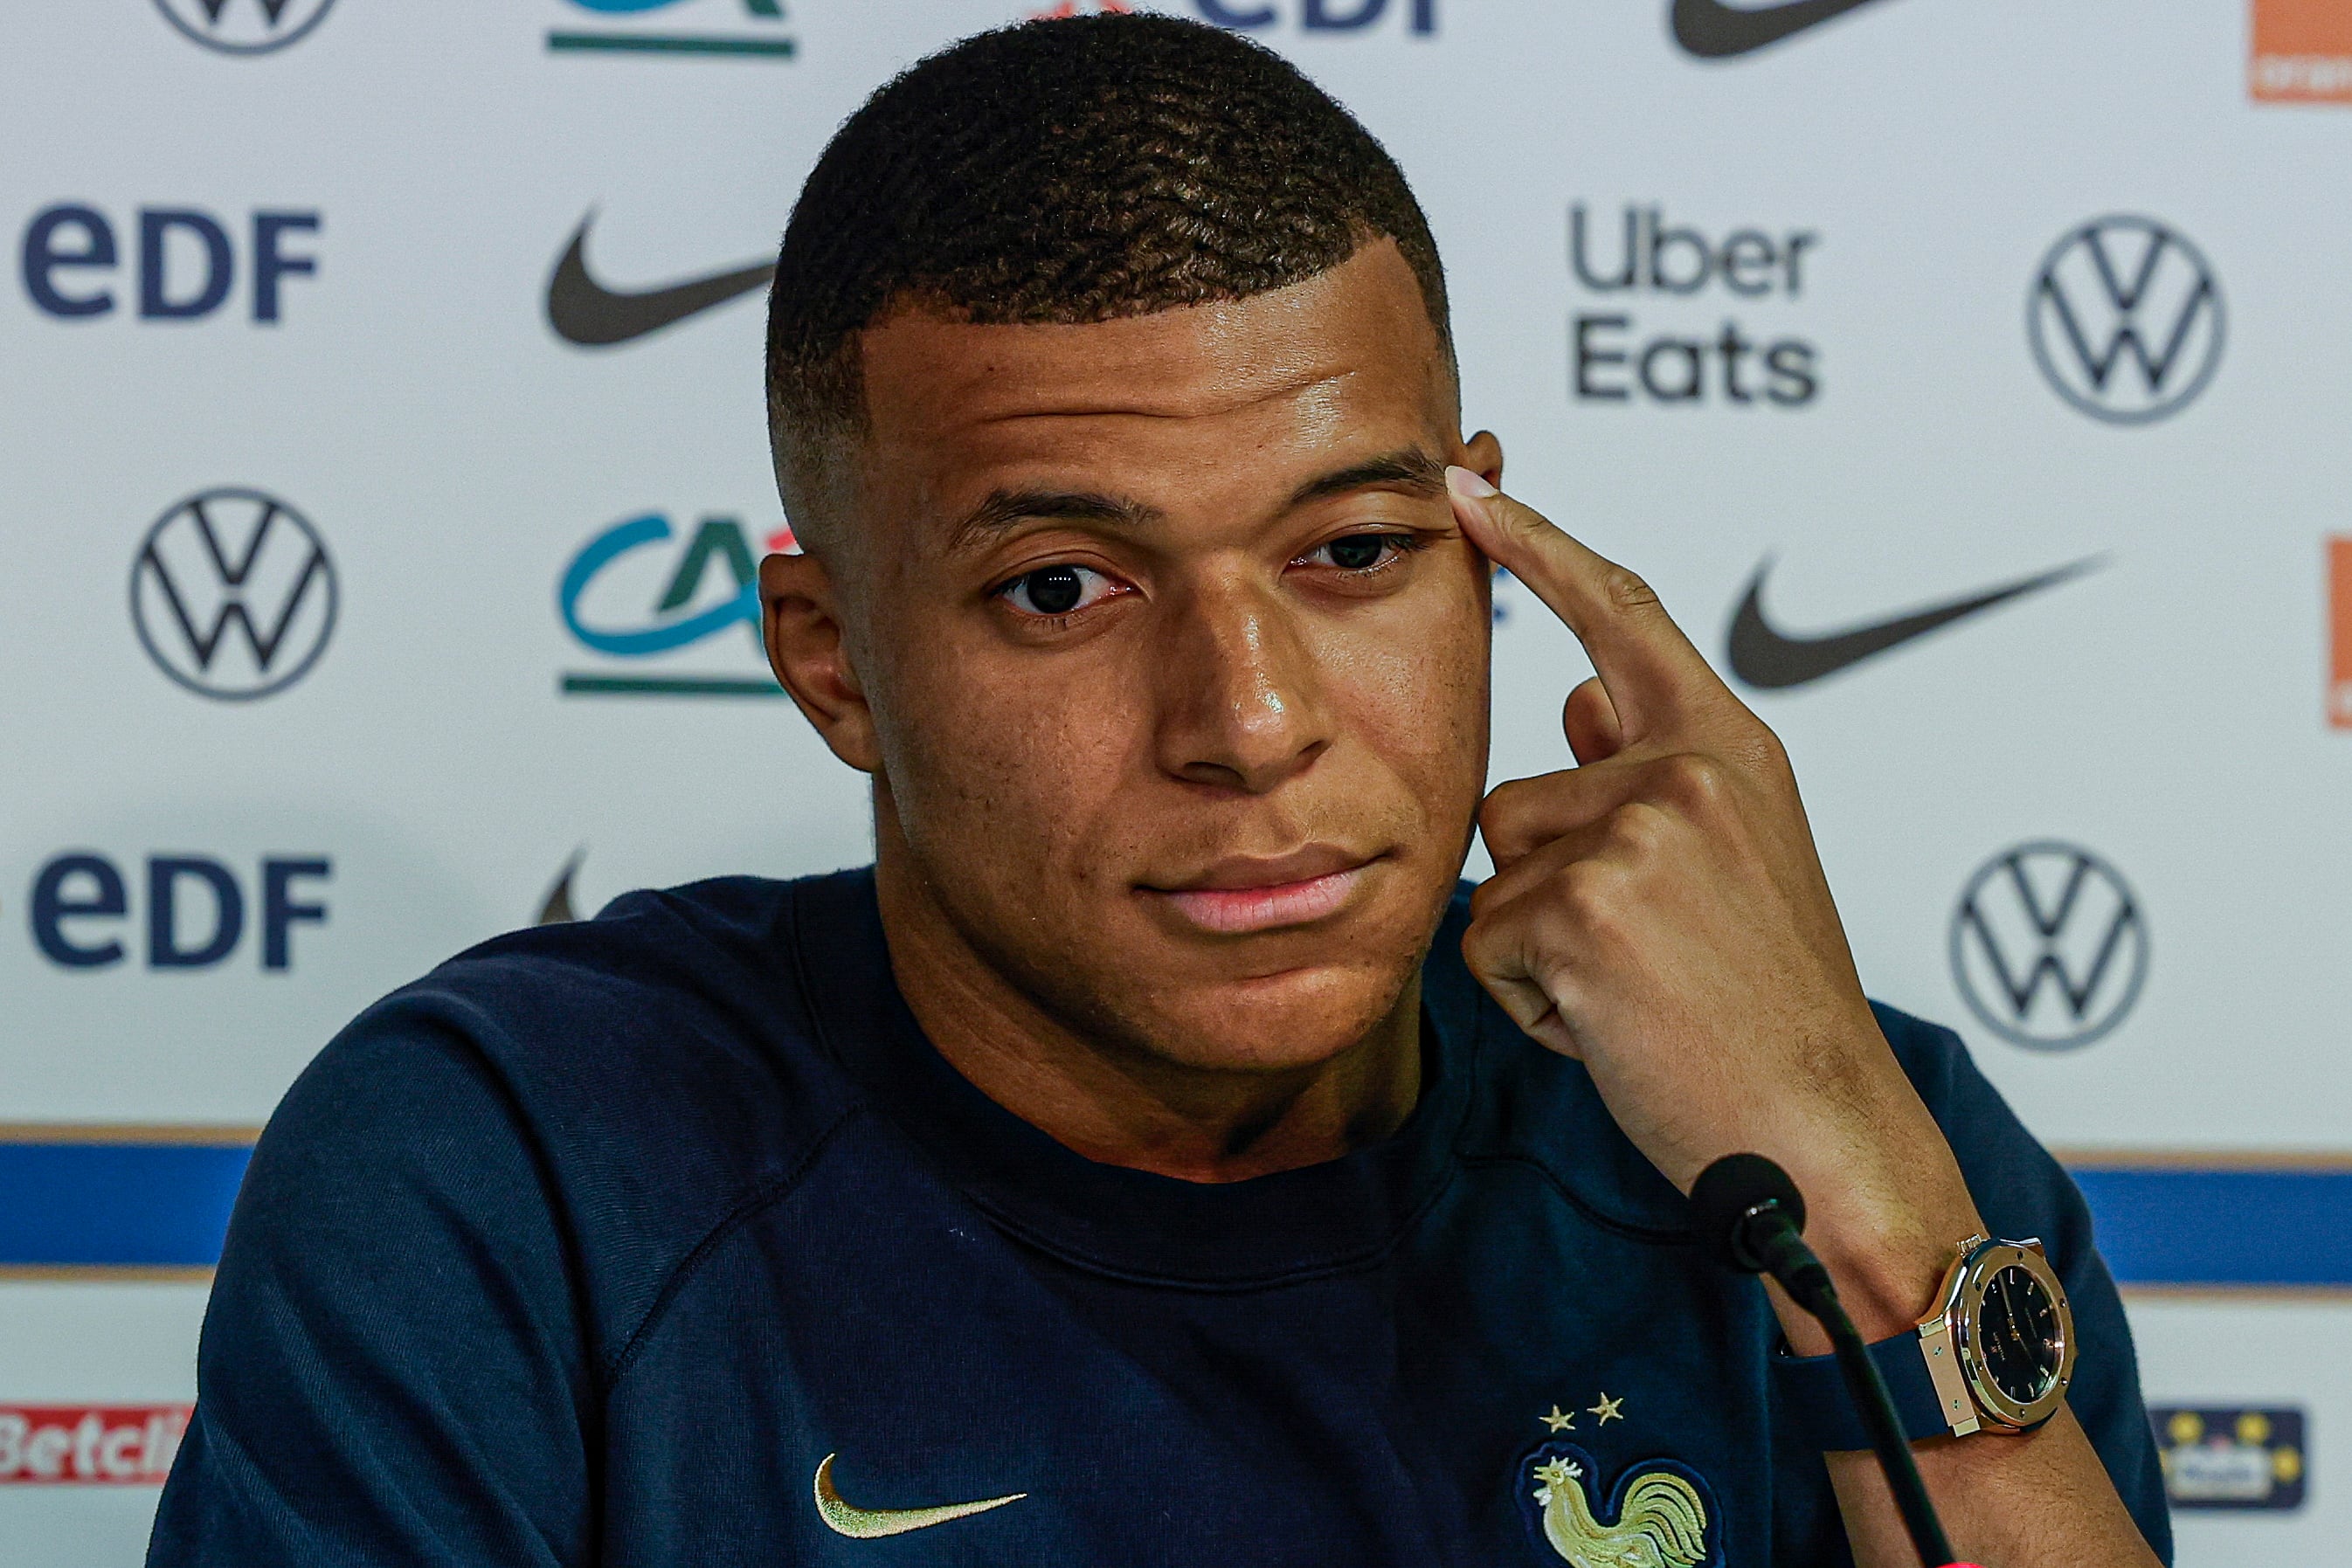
(195, 908)
(186, 268)
(1318, 16)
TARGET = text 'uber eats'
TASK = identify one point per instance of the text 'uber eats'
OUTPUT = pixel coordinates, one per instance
(1665, 354)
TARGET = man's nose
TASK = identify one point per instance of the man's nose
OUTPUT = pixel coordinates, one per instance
(1240, 702)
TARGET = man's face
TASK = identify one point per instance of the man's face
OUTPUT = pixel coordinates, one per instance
(1172, 662)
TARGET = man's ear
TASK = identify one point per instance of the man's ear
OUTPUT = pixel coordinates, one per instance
(799, 622)
(1482, 455)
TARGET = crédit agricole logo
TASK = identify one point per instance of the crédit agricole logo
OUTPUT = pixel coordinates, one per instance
(668, 613)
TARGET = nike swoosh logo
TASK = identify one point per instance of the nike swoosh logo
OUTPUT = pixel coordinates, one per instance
(1770, 660)
(583, 311)
(1714, 31)
(872, 1523)
(557, 909)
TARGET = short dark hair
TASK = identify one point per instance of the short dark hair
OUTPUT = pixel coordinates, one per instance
(1070, 171)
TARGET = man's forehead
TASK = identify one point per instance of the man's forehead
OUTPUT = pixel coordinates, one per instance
(1354, 340)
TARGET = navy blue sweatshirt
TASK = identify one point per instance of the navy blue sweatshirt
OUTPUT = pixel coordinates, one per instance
(596, 1245)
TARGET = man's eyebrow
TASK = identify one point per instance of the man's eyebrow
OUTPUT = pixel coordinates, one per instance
(1409, 469)
(1003, 509)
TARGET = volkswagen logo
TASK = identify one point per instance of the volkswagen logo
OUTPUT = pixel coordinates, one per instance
(2126, 320)
(244, 26)
(2048, 946)
(233, 594)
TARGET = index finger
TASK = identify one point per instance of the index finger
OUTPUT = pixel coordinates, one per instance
(1650, 669)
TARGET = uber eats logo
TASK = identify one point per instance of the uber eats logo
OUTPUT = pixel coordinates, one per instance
(672, 612)
(1673, 315)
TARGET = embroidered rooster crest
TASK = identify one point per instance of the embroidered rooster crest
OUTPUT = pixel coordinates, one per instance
(1659, 1514)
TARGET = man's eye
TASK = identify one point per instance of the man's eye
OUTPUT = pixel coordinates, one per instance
(1362, 553)
(1057, 589)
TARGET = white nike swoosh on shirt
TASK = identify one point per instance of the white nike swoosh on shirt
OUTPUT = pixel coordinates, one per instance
(871, 1523)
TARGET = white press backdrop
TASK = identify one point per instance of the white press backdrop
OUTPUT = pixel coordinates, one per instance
(301, 252)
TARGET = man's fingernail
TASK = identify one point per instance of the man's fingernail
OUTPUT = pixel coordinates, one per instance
(1470, 486)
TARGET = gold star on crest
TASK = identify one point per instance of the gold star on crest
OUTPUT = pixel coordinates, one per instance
(1607, 1410)
(1557, 1421)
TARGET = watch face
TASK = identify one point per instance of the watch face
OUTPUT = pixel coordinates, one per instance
(2019, 1340)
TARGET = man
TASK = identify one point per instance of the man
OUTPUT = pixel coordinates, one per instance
(1146, 1161)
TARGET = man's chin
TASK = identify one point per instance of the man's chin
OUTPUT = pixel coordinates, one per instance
(1283, 1020)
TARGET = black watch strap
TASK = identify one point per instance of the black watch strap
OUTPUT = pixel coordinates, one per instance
(1808, 1396)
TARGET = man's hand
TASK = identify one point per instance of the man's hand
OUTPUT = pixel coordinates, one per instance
(1659, 912)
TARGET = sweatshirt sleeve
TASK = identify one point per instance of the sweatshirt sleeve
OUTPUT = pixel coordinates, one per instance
(392, 1369)
(2024, 1194)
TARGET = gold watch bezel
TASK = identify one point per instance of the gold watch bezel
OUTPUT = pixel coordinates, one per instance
(1952, 1329)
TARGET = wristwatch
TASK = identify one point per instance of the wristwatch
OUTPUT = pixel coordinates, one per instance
(1994, 1354)
(1998, 1343)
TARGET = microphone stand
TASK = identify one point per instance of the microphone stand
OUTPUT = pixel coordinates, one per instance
(1752, 1212)
(1867, 1388)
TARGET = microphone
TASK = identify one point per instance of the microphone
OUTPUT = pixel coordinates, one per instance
(1750, 1215)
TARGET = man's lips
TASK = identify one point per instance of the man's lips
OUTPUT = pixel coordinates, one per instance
(1236, 896)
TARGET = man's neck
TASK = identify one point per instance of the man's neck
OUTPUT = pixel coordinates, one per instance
(1123, 1104)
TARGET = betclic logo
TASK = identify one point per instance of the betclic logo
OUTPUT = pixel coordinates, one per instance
(669, 612)
(193, 912)
(1673, 333)
(78, 263)
(89, 1445)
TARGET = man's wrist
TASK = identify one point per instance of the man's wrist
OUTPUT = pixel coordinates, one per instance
(1887, 1277)
(1886, 1208)
(1887, 1290)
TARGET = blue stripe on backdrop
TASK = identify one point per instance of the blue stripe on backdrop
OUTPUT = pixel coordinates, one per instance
(116, 1206)
(152, 1204)
(2160, 1225)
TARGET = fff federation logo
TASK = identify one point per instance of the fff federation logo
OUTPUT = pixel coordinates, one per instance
(2126, 320)
(244, 27)
(643, 597)
(233, 594)
(2233, 1458)
(2048, 946)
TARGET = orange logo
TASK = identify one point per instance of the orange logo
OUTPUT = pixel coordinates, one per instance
(2303, 52)
(2339, 632)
